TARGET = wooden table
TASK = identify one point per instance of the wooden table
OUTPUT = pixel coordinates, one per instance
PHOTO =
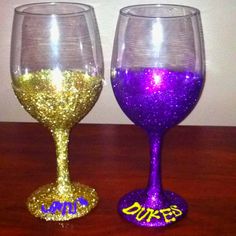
(199, 163)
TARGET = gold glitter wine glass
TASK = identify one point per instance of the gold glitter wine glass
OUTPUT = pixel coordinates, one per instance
(57, 74)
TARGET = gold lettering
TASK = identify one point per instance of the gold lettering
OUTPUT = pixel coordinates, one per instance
(177, 212)
(131, 210)
(167, 212)
(153, 213)
(138, 217)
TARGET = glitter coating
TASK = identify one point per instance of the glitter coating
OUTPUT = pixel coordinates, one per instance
(47, 195)
(59, 100)
(151, 211)
(155, 99)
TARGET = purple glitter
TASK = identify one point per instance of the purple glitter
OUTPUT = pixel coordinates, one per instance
(155, 99)
(161, 206)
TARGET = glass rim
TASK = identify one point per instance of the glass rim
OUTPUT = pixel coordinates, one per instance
(22, 8)
(194, 11)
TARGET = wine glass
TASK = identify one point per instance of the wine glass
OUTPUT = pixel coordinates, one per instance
(57, 74)
(157, 75)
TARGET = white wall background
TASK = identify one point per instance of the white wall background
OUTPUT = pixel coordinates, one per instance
(217, 105)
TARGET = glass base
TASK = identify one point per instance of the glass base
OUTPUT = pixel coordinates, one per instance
(148, 209)
(48, 204)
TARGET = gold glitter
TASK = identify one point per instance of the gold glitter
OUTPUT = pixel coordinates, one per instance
(59, 100)
(47, 194)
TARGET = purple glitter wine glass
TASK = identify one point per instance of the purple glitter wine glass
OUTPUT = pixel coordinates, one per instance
(157, 75)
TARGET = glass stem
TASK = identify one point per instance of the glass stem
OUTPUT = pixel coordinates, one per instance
(61, 139)
(155, 183)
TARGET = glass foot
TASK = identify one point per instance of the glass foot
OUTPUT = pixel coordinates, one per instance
(48, 204)
(147, 209)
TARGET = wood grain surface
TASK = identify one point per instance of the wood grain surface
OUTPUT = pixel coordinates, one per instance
(199, 163)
